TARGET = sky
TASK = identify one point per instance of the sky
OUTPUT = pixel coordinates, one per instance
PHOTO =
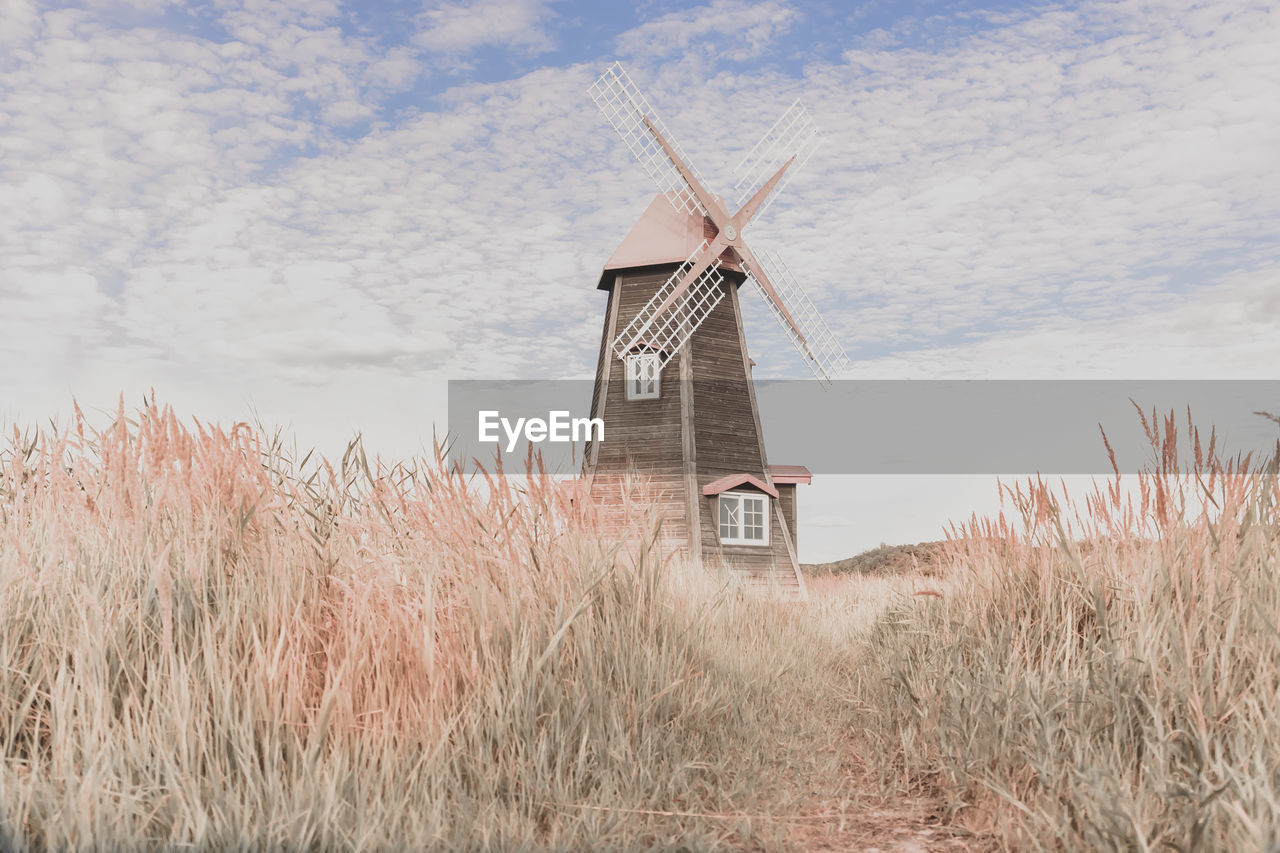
(319, 212)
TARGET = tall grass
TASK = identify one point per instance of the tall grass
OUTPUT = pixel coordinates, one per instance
(1107, 674)
(207, 643)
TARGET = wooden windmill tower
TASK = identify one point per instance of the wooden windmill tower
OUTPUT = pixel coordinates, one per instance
(674, 314)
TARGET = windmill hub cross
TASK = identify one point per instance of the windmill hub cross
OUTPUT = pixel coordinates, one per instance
(678, 308)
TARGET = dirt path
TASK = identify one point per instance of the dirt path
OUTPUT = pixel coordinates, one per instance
(838, 781)
(863, 820)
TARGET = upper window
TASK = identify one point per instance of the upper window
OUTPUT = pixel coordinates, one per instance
(643, 369)
(744, 518)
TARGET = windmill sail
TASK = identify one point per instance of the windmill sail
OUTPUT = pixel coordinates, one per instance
(793, 135)
(811, 335)
(626, 109)
(672, 315)
(668, 331)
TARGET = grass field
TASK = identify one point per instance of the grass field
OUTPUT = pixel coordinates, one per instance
(1105, 674)
(207, 643)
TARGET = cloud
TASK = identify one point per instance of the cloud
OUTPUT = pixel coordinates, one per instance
(1224, 331)
(397, 68)
(1066, 192)
(19, 23)
(458, 28)
(1091, 166)
(133, 169)
(735, 29)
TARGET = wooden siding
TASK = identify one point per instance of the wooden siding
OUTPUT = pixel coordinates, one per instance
(726, 437)
(641, 436)
(787, 500)
(603, 369)
(695, 432)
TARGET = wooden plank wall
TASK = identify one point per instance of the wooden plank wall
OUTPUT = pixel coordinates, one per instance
(647, 435)
(726, 436)
(643, 435)
(787, 500)
(603, 368)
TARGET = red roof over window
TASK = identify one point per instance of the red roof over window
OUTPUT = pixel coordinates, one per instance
(732, 481)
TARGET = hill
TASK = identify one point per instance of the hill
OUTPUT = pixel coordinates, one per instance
(921, 558)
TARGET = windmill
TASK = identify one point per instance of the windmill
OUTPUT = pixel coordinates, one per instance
(673, 301)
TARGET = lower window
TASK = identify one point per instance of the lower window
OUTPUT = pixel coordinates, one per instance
(744, 519)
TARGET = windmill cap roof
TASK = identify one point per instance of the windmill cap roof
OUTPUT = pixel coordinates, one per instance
(662, 235)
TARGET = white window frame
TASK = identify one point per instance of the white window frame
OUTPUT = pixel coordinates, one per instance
(737, 531)
(640, 386)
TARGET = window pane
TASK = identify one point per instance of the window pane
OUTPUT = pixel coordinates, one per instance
(753, 518)
(642, 375)
(729, 516)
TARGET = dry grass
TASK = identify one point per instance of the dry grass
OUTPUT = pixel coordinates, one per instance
(207, 643)
(1105, 676)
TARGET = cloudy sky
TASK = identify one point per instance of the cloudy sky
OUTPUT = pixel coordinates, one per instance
(322, 212)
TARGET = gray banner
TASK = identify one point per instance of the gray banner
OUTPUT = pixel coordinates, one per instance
(894, 426)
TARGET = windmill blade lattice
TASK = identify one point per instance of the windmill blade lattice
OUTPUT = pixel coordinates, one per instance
(794, 133)
(626, 109)
(821, 349)
(670, 318)
(670, 332)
